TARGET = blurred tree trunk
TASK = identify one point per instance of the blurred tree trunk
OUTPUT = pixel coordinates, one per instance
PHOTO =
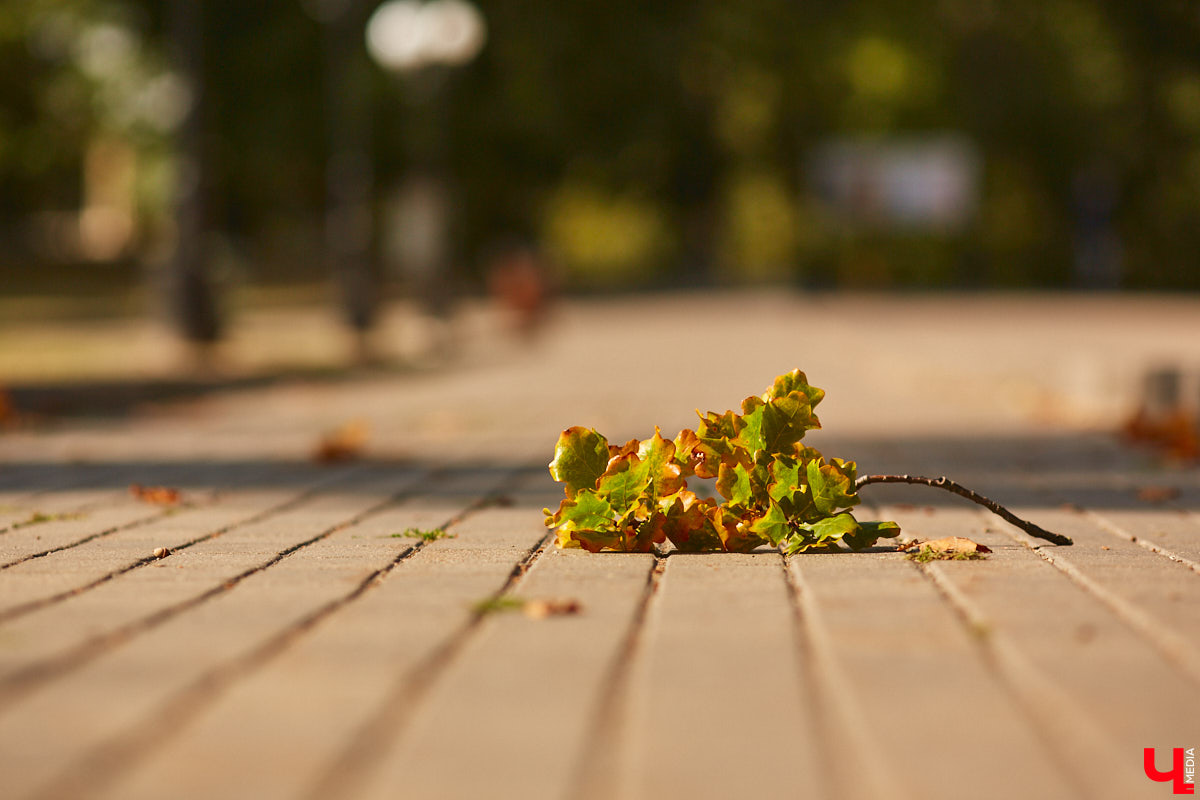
(191, 294)
(348, 177)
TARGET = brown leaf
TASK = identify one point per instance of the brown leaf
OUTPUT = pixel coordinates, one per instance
(628, 448)
(1157, 494)
(344, 443)
(556, 607)
(158, 495)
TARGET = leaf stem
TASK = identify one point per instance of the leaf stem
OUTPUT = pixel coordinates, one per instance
(962, 491)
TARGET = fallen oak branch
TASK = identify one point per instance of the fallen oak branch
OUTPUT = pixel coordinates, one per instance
(773, 489)
(974, 497)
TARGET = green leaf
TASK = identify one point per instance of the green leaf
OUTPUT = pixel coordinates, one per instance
(580, 458)
(658, 456)
(775, 425)
(587, 510)
(750, 433)
(806, 454)
(832, 485)
(687, 453)
(718, 443)
(785, 421)
(789, 488)
(870, 532)
(794, 381)
(586, 520)
(734, 530)
(641, 538)
(772, 526)
(687, 523)
(823, 533)
(735, 485)
(788, 477)
(623, 483)
(719, 426)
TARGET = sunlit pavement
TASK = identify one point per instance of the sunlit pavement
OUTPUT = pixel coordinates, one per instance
(288, 639)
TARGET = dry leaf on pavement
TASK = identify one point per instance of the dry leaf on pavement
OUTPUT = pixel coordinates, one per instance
(342, 444)
(1157, 494)
(949, 548)
(540, 609)
(158, 495)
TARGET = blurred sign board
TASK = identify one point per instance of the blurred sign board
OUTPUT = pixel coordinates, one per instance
(924, 184)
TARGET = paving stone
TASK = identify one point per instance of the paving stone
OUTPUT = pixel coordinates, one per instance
(292, 645)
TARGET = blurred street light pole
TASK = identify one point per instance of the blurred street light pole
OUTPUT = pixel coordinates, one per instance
(421, 42)
(348, 169)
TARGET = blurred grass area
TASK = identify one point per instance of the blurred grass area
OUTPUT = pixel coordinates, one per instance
(122, 335)
(63, 299)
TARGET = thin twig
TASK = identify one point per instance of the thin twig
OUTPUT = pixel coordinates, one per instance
(962, 491)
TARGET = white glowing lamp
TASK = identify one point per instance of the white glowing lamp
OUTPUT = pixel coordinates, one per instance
(405, 35)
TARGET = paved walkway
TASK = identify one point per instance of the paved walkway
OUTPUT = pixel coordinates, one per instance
(289, 644)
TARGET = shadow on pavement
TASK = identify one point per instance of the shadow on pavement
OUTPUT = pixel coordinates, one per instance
(1046, 471)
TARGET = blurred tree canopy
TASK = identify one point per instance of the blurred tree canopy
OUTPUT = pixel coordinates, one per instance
(640, 143)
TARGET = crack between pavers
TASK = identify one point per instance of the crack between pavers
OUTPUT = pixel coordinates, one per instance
(22, 609)
(835, 699)
(83, 509)
(1174, 648)
(1121, 533)
(1058, 722)
(82, 482)
(114, 474)
(20, 682)
(351, 768)
(136, 523)
(104, 764)
(822, 718)
(597, 766)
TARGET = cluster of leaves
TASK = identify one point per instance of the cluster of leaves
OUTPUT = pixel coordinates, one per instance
(776, 491)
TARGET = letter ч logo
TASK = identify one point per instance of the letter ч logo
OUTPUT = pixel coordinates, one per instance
(1183, 769)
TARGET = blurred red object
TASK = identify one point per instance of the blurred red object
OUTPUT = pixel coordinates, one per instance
(1175, 434)
(345, 443)
(1163, 418)
(519, 281)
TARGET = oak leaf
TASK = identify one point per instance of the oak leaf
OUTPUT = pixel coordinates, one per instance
(580, 458)
(869, 533)
(794, 381)
(822, 534)
(832, 485)
(687, 523)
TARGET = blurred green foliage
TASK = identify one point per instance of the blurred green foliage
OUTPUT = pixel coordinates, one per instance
(642, 143)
